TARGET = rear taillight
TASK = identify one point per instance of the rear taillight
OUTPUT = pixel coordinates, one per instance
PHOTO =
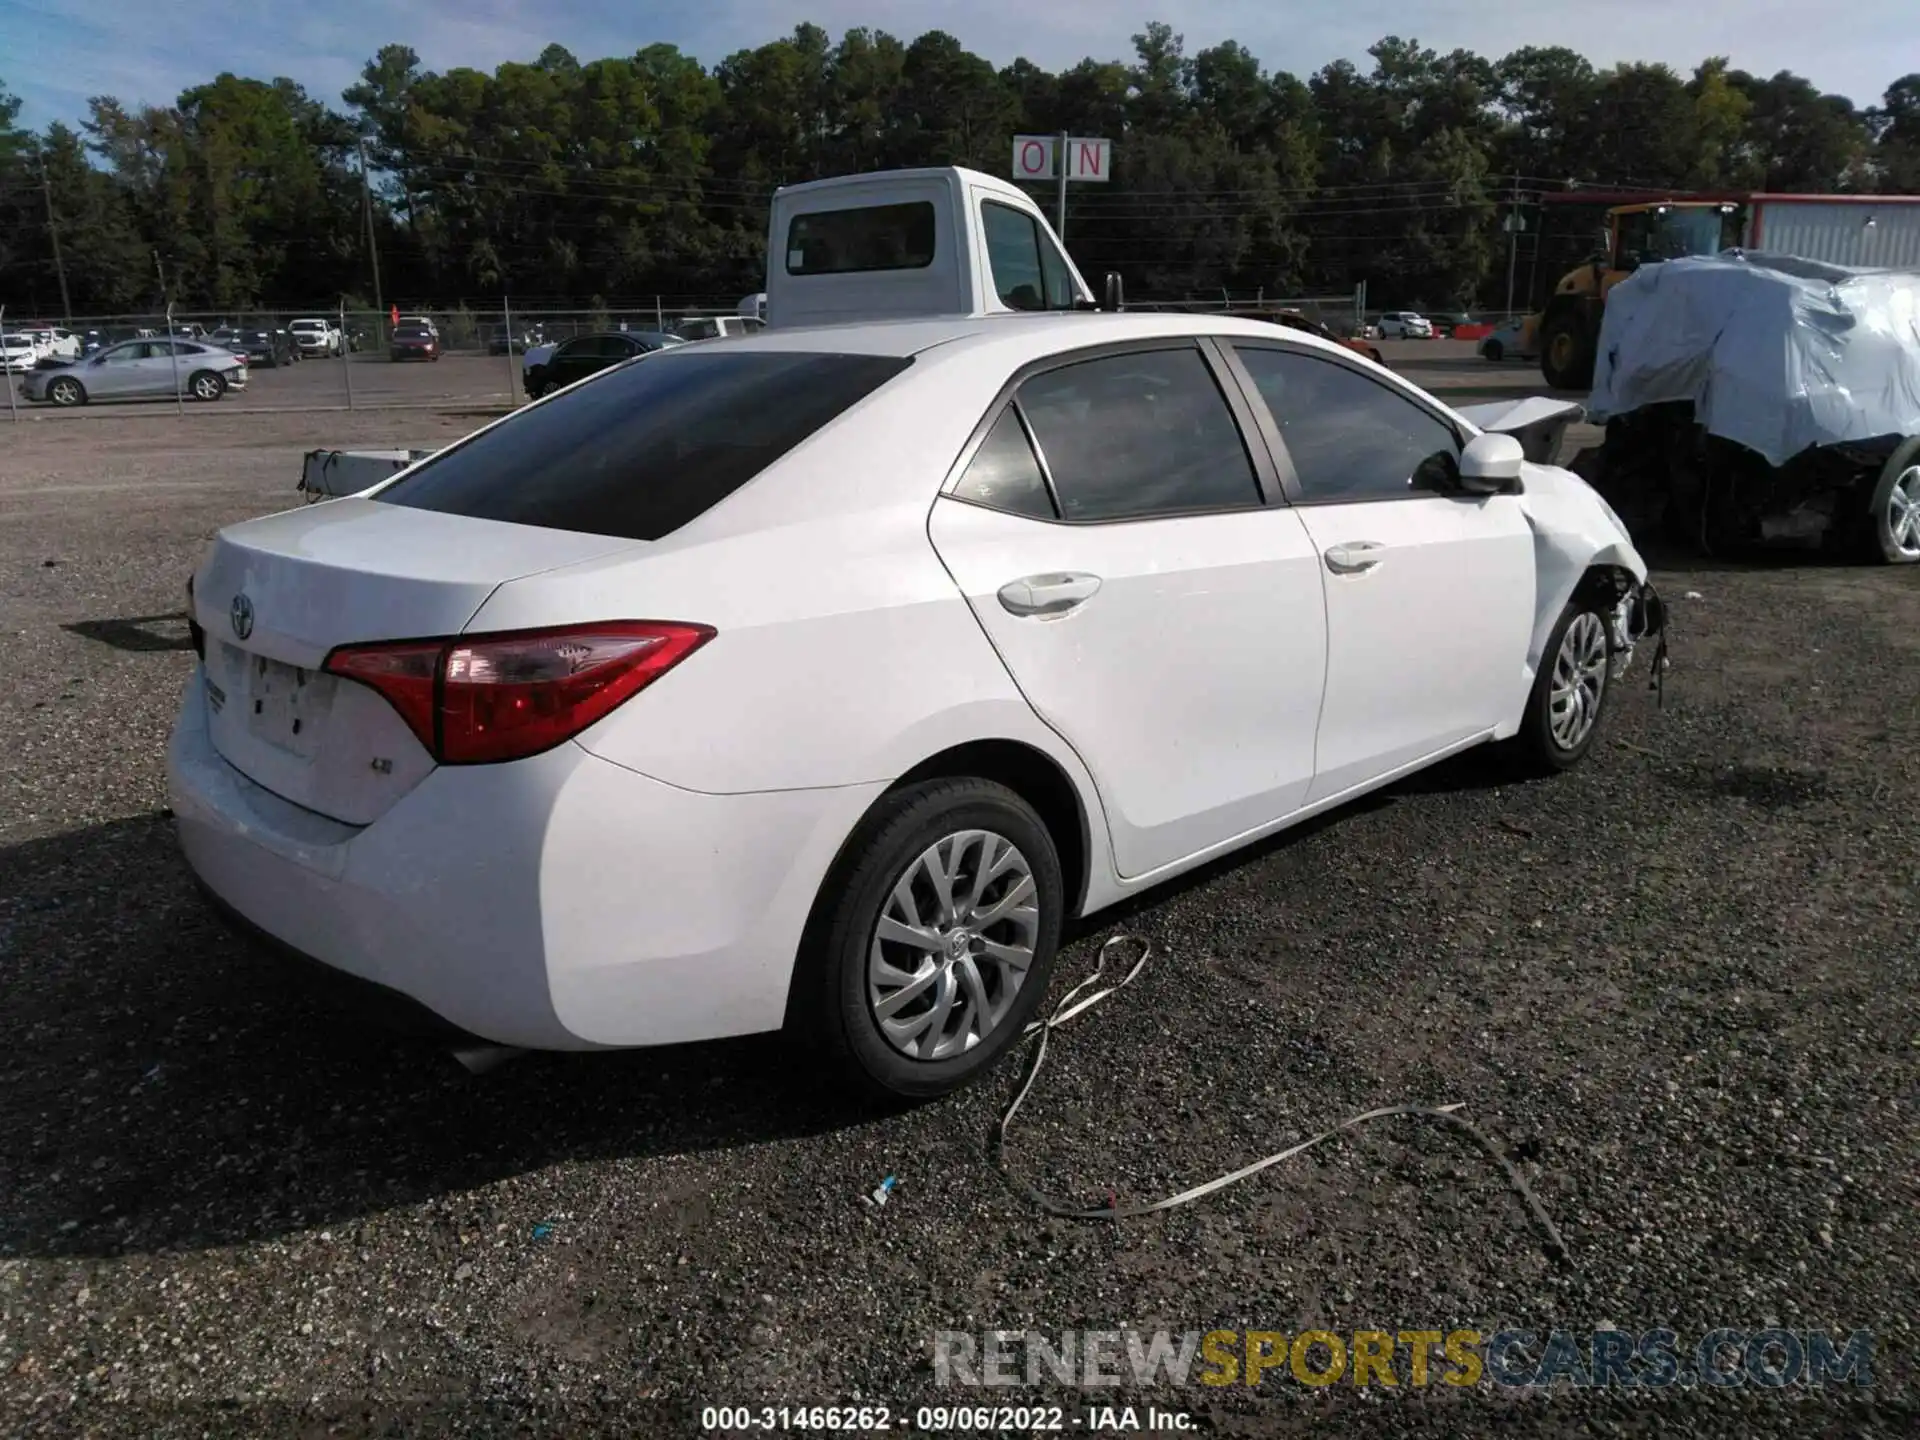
(478, 699)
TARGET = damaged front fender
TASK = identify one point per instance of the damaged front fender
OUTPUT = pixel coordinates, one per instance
(1579, 541)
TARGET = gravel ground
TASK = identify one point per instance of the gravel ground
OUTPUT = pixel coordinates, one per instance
(1676, 988)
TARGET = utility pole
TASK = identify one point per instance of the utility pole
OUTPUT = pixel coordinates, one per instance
(53, 234)
(1513, 241)
(373, 250)
(1060, 199)
(161, 271)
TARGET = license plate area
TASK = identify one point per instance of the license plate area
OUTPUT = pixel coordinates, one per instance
(284, 705)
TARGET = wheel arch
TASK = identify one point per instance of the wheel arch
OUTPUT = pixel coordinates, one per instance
(1035, 777)
(1025, 769)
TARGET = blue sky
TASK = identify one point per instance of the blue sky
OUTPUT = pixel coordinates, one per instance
(55, 53)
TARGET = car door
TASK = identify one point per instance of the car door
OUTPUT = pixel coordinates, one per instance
(574, 360)
(158, 368)
(1429, 591)
(116, 371)
(1124, 549)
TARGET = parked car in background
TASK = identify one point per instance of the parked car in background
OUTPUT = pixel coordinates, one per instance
(714, 327)
(501, 340)
(585, 355)
(17, 352)
(413, 342)
(1445, 323)
(418, 322)
(1509, 341)
(1405, 325)
(315, 337)
(1294, 320)
(135, 369)
(50, 342)
(94, 341)
(268, 348)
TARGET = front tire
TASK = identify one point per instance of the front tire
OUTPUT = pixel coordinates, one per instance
(206, 385)
(1494, 351)
(1569, 695)
(1566, 351)
(67, 391)
(933, 940)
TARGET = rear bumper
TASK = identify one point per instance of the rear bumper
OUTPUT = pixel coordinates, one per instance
(559, 903)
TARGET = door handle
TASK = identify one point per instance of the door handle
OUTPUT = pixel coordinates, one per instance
(1048, 595)
(1356, 557)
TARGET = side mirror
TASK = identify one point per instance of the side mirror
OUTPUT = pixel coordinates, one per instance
(1116, 292)
(1490, 465)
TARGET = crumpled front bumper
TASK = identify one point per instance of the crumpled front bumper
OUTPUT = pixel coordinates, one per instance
(1640, 615)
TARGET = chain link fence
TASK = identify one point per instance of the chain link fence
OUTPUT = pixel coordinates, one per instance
(323, 359)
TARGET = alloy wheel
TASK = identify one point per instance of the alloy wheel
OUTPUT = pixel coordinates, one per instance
(1579, 681)
(953, 945)
(1903, 512)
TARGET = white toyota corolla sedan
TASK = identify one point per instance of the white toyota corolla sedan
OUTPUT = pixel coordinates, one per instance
(812, 680)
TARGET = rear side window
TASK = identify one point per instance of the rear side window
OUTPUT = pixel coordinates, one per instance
(1132, 436)
(1003, 474)
(638, 452)
(872, 237)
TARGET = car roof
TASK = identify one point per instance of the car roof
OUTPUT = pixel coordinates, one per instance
(1025, 336)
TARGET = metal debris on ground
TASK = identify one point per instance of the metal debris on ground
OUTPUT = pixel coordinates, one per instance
(1073, 1004)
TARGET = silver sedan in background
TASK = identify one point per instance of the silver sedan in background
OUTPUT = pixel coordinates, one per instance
(138, 368)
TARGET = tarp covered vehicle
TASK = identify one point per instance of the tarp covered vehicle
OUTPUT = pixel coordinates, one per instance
(1753, 398)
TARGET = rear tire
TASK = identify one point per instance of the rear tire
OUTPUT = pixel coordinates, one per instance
(1893, 512)
(911, 997)
(1569, 695)
(1494, 351)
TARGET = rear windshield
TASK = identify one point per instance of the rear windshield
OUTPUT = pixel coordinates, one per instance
(872, 237)
(641, 449)
(410, 332)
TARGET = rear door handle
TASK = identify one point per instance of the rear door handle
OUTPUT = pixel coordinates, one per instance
(1048, 595)
(1355, 557)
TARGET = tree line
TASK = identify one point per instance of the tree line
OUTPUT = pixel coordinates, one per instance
(562, 181)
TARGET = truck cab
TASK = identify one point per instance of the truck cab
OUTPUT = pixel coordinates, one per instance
(944, 241)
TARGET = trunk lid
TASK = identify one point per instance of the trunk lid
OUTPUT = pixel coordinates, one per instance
(275, 595)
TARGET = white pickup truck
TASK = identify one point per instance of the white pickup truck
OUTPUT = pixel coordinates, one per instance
(899, 242)
(316, 336)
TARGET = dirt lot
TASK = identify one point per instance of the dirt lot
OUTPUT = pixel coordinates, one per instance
(1678, 989)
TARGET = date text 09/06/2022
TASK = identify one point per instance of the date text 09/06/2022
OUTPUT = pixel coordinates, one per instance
(944, 1419)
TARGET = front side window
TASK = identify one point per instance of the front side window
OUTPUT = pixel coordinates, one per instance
(119, 354)
(1351, 438)
(869, 237)
(644, 449)
(1137, 435)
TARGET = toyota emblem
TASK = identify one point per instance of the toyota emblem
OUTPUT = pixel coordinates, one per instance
(241, 614)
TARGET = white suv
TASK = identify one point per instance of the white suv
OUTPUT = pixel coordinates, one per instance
(1405, 325)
